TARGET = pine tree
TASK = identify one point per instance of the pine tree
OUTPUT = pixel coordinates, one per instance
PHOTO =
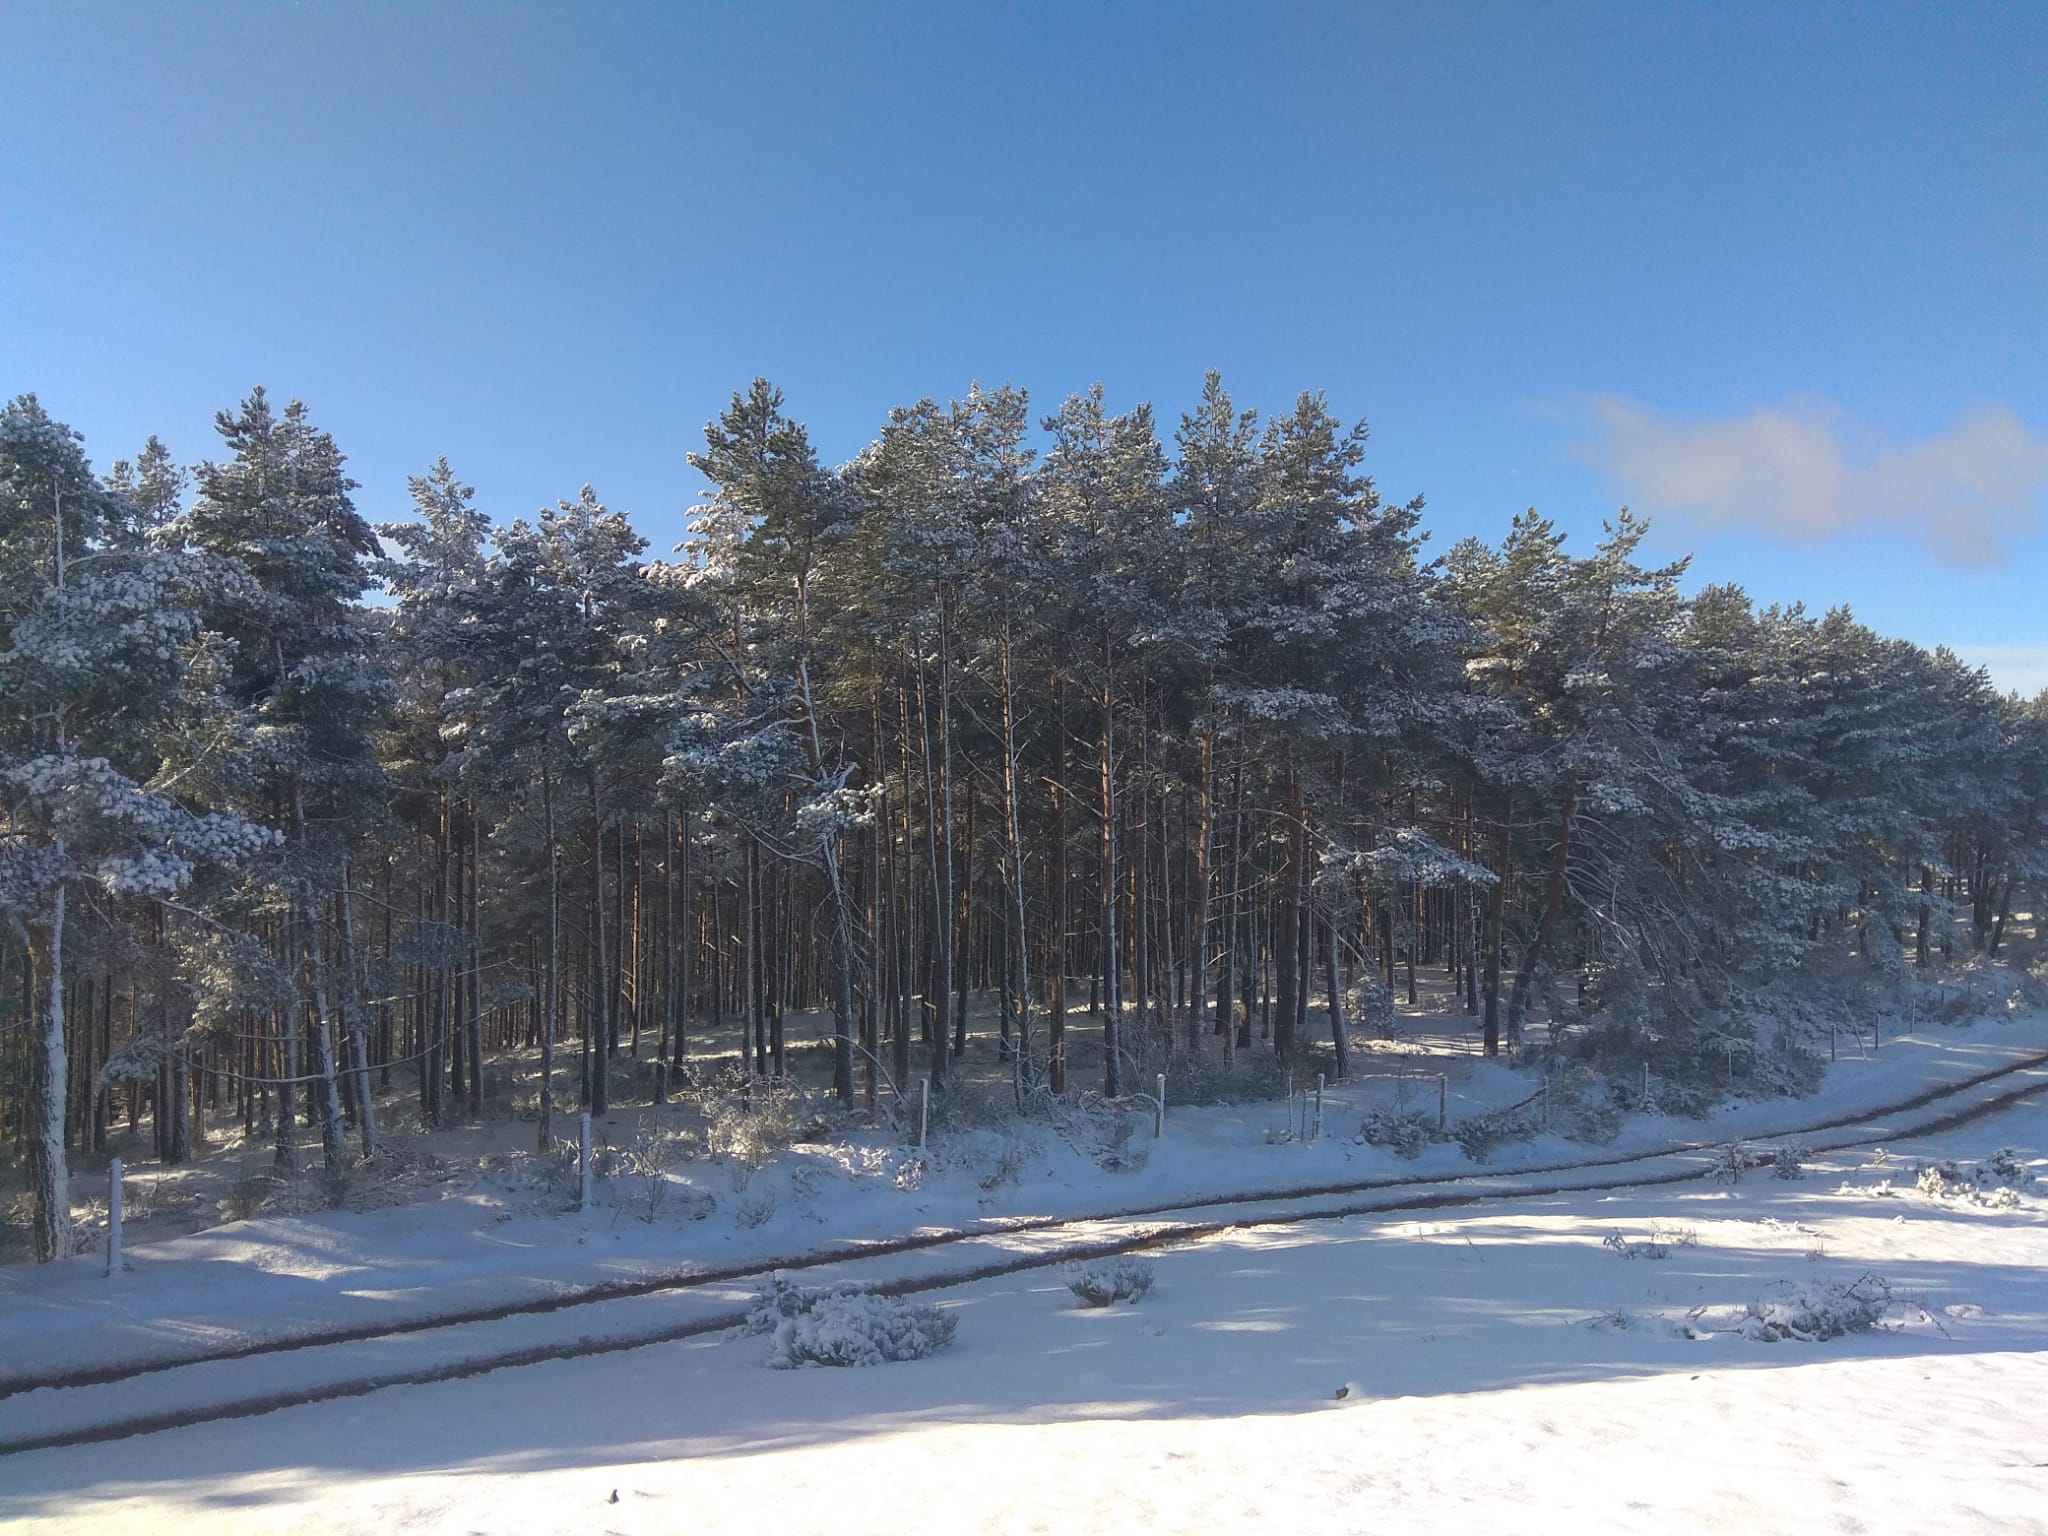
(99, 636)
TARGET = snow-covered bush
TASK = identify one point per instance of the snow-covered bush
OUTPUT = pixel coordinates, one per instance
(1731, 1162)
(1092, 1125)
(1372, 1005)
(757, 1210)
(845, 1324)
(648, 1162)
(1789, 1160)
(1657, 1245)
(749, 1121)
(1479, 1135)
(1641, 1248)
(1403, 1132)
(2008, 1165)
(1994, 1183)
(1011, 1159)
(1814, 1313)
(1105, 1282)
(1938, 1181)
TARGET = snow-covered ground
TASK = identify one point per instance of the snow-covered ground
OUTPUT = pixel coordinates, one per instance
(1507, 1368)
(500, 1234)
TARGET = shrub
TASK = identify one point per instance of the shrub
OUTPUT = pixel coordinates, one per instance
(1789, 1161)
(1479, 1135)
(249, 1196)
(1009, 1167)
(648, 1163)
(845, 1324)
(757, 1210)
(2008, 1165)
(1814, 1314)
(1103, 1283)
(1731, 1162)
(1403, 1132)
(749, 1120)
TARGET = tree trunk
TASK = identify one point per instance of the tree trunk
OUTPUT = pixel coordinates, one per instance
(551, 982)
(1056, 1025)
(1019, 947)
(1496, 912)
(1112, 1000)
(1339, 1036)
(1553, 909)
(49, 1166)
(597, 1026)
(352, 1020)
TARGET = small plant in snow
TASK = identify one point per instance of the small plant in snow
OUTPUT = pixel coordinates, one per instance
(1403, 1132)
(845, 1325)
(2008, 1166)
(1812, 1314)
(1938, 1181)
(1009, 1167)
(248, 1196)
(1644, 1248)
(752, 1119)
(648, 1163)
(1478, 1135)
(1989, 1183)
(1789, 1160)
(757, 1210)
(1620, 1320)
(1730, 1162)
(1125, 1159)
(1103, 1284)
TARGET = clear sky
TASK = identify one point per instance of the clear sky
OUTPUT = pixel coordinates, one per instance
(1775, 276)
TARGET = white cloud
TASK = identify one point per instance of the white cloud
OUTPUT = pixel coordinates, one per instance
(1967, 494)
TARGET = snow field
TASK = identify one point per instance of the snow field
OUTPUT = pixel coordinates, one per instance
(1510, 1371)
(501, 1236)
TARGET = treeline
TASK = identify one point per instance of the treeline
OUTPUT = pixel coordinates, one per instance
(1198, 730)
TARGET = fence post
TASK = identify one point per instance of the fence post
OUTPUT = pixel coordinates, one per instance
(1443, 1099)
(1546, 1103)
(114, 1220)
(924, 1105)
(1317, 1133)
(1159, 1109)
(583, 1161)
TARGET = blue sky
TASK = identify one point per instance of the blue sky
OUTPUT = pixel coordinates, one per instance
(1775, 276)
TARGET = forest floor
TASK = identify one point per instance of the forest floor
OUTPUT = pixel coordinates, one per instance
(1595, 1360)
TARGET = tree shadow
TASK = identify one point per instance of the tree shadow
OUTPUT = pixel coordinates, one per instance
(1252, 1323)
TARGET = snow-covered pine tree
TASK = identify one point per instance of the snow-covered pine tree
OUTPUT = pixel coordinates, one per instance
(100, 630)
(299, 662)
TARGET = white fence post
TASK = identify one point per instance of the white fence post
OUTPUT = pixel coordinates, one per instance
(114, 1220)
(583, 1162)
(1317, 1133)
(1443, 1099)
(1159, 1109)
(924, 1107)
